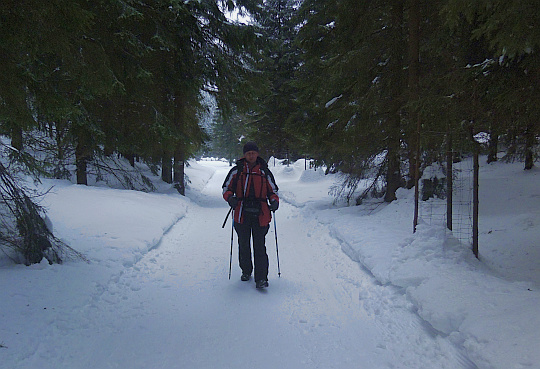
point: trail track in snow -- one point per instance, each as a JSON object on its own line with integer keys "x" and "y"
{"x": 324, "y": 312}
{"x": 175, "y": 307}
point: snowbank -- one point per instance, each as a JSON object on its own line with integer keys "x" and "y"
{"x": 487, "y": 308}
{"x": 480, "y": 306}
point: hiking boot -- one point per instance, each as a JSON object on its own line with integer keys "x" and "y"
{"x": 261, "y": 284}
{"x": 245, "y": 277}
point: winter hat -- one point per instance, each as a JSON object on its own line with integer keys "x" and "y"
{"x": 250, "y": 146}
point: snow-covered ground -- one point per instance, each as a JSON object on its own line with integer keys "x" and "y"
{"x": 357, "y": 289}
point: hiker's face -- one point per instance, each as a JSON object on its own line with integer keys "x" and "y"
{"x": 251, "y": 156}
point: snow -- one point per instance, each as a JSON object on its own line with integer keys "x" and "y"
{"x": 332, "y": 101}
{"x": 357, "y": 289}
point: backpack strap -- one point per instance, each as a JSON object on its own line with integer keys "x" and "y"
{"x": 239, "y": 169}
{"x": 265, "y": 172}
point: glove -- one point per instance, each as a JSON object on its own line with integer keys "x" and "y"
{"x": 233, "y": 201}
{"x": 274, "y": 205}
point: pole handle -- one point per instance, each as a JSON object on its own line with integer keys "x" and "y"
{"x": 227, "y": 217}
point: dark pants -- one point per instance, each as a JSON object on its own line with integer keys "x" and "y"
{"x": 245, "y": 231}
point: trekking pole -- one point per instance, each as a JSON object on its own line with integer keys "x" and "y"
{"x": 277, "y": 251}
{"x": 232, "y": 234}
{"x": 227, "y": 217}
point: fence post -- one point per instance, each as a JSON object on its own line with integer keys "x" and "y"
{"x": 449, "y": 180}
{"x": 476, "y": 201}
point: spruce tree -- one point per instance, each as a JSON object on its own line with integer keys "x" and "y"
{"x": 509, "y": 76}
{"x": 353, "y": 81}
{"x": 278, "y": 62}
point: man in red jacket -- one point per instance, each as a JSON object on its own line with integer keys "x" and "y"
{"x": 247, "y": 188}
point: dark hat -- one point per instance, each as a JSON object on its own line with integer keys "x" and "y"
{"x": 250, "y": 146}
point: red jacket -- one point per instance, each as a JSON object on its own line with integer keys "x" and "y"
{"x": 251, "y": 186}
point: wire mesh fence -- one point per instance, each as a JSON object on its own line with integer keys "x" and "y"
{"x": 449, "y": 202}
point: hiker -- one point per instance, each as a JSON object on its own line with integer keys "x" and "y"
{"x": 247, "y": 188}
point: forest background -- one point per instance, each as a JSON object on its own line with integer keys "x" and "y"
{"x": 365, "y": 88}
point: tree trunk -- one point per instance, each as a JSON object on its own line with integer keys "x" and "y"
{"x": 393, "y": 174}
{"x": 512, "y": 143}
{"x": 130, "y": 158}
{"x": 109, "y": 145}
{"x": 58, "y": 134}
{"x": 414, "y": 78}
{"x": 179, "y": 182}
{"x": 411, "y": 155}
{"x": 530, "y": 142}
{"x": 166, "y": 167}
{"x": 493, "y": 145}
{"x": 179, "y": 151}
{"x": 81, "y": 160}
{"x": 17, "y": 138}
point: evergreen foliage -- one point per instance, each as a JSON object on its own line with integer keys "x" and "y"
{"x": 278, "y": 62}
{"x": 366, "y": 88}
{"x": 24, "y": 234}
{"x": 228, "y": 135}
{"x": 476, "y": 72}
{"x": 505, "y": 84}
{"x": 83, "y": 82}
{"x": 353, "y": 83}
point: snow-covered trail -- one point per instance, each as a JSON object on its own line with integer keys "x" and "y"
{"x": 155, "y": 292}
{"x": 176, "y": 308}
{"x": 180, "y": 293}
